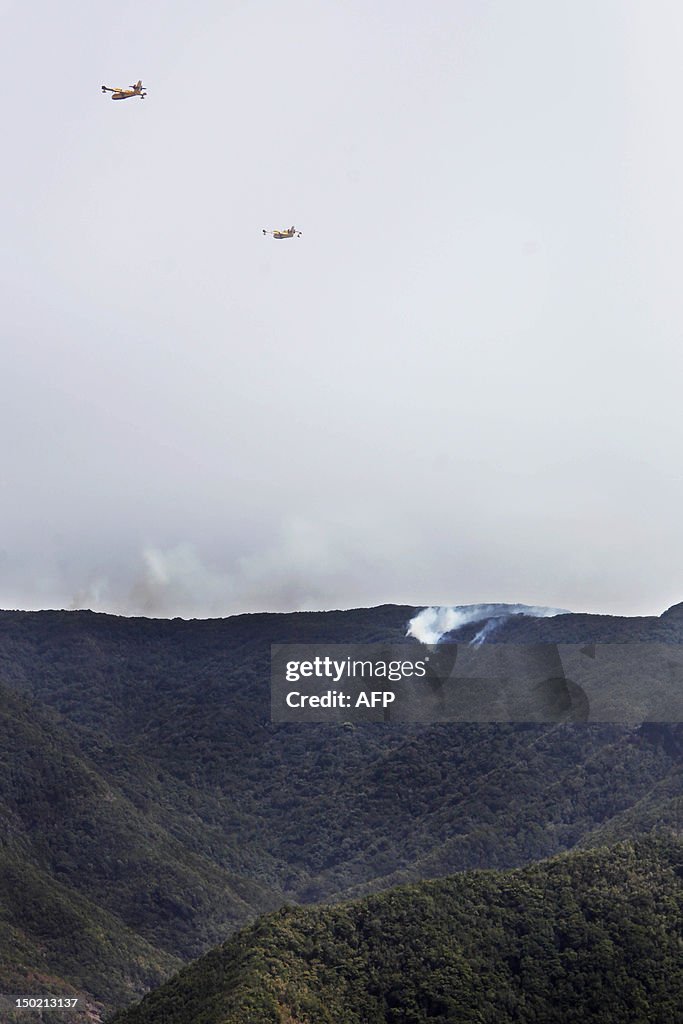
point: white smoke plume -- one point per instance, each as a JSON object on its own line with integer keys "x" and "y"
{"x": 487, "y": 630}
{"x": 298, "y": 569}
{"x": 429, "y": 625}
{"x": 176, "y": 581}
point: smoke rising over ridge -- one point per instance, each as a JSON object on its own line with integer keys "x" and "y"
{"x": 300, "y": 569}
{"x": 431, "y": 624}
{"x": 304, "y": 568}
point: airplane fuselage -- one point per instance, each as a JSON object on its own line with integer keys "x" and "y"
{"x": 124, "y": 94}
{"x": 283, "y": 233}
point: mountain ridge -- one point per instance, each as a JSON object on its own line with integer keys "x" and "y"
{"x": 142, "y": 773}
{"x": 593, "y": 935}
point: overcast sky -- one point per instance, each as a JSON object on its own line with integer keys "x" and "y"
{"x": 461, "y": 384}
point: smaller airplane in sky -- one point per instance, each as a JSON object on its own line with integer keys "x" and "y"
{"x": 125, "y": 94}
{"x": 286, "y": 233}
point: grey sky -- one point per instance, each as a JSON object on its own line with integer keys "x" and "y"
{"x": 461, "y": 384}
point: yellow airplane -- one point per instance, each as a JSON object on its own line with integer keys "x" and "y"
{"x": 286, "y": 233}
{"x": 125, "y": 94}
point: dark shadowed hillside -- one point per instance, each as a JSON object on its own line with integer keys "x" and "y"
{"x": 142, "y": 777}
{"x": 586, "y": 937}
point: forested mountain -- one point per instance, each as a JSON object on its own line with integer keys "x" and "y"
{"x": 591, "y": 936}
{"x": 144, "y": 789}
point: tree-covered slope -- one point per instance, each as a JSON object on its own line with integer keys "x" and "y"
{"x": 94, "y": 896}
{"x": 53, "y": 940}
{"x": 591, "y": 936}
{"x": 139, "y": 770}
{"x": 79, "y": 826}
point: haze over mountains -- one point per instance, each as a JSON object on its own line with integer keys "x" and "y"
{"x": 149, "y": 808}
